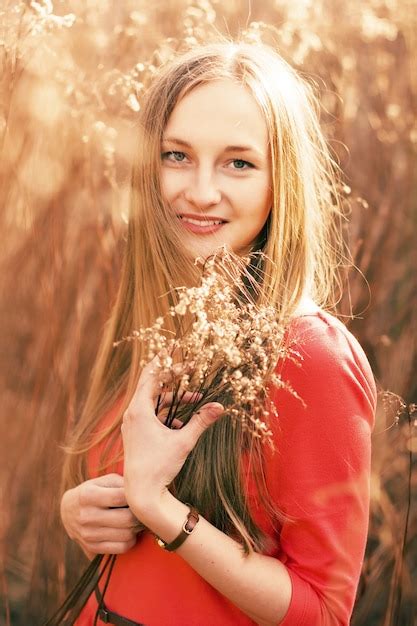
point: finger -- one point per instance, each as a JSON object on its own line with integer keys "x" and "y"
{"x": 109, "y": 547}
{"x": 100, "y": 534}
{"x": 119, "y": 518}
{"x": 201, "y": 420}
{"x": 152, "y": 378}
{"x": 185, "y": 397}
{"x": 148, "y": 387}
{"x": 91, "y": 494}
{"x": 108, "y": 480}
{"x": 162, "y": 416}
{"x": 166, "y": 400}
{"x": 110, "y": 518}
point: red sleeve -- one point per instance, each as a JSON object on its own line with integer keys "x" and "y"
{"x": 319, "y": 474}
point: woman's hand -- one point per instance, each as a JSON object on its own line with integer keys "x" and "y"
{"x": 96, "y": 515}
{"x": 153, "y": 453}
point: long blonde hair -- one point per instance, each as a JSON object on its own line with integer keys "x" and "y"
{"x": 301, "y": 240}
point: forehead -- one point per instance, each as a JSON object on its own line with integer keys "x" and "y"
{"x": 220, "y": 109}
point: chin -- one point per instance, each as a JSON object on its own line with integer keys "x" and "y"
{"x": 207, "y": 250}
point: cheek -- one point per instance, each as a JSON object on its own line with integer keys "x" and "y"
{"x": 257, "y": 203}
{"x": 268, "y": 199}
{"x": 170, "y": 184}
{"x": 165, "y": 189}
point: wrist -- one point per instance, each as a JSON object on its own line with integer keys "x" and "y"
{"x": 186, "y": 530}
{"x": 164, "y": 515}
{"x": 146, "y": 507}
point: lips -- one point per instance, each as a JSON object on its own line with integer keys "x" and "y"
{"x": 200, "y": 224}
{"x": 199, "y": 219}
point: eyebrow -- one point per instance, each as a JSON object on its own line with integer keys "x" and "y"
{"x": 182, "y": 142}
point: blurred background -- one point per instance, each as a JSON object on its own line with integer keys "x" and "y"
{"x": 71, "y": 81}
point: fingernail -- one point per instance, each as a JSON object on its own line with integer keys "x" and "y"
{"x": 215, "y": 408}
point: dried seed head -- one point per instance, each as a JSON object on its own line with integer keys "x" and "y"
{"x": 229, "y": 351}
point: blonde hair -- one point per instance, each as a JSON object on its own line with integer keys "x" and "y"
{"x": 301, "y": 240}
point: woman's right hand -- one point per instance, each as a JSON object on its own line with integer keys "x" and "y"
{"x": 95, "y": 514}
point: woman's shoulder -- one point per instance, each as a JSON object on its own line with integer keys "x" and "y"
{"x": 318, "y": 469}
{"x": 325, "y": 402}
{"x": 320, "y": 334}
{"x": 325, "y": 352}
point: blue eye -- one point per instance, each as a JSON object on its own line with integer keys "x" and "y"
{"x": 240, "y": 164}
{"x": 178, "y": 157}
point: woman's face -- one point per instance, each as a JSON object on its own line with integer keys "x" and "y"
{"x": 215, "y": 171}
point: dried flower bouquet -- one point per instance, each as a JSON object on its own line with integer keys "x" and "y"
{"x": 226, "y": 346}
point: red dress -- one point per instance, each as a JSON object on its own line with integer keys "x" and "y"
{"x": 318, "y": 477}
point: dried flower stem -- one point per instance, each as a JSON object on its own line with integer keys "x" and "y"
{"x": 226, "y": 346}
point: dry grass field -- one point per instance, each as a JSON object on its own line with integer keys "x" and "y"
{"x": 71, "y": 77}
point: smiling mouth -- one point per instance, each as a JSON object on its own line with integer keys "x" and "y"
{"x": 200, "y": 222}
{"x": 201, "y": 226}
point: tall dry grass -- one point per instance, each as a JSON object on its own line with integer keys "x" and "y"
{"x": 71, "y": 79}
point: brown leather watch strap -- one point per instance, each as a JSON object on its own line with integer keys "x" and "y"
{"x": 188, "y": 527}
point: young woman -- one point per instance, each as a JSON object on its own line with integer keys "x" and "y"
{"x": 230, "y": 153}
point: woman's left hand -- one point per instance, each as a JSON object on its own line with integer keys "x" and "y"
{"x": 154, "y": 453}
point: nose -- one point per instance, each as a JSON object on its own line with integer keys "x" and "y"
{"x": 202, "y": 190}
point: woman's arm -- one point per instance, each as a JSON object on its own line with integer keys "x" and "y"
{"x": 258, "y": 585}
{"x": 319, "y": 478}
{"x": 153, "y": 455}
